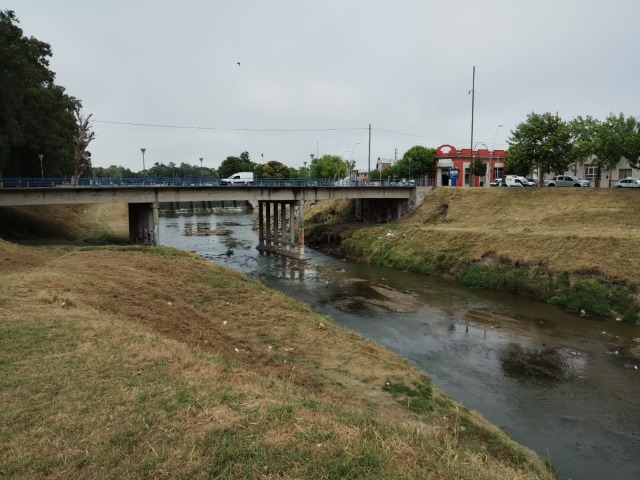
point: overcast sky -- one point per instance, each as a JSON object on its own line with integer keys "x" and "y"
{"x": 314, "y": 74}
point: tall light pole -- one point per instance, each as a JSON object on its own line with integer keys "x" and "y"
{"x": 495, "y": 135}
{"x": 351, "y": 159}
{"x": 201, "y": 170}
{"x": 489, "y": 179}
{"x": 473, "y": 94}
{"x": 41, "y": 156}
{"x": 480, "y": 143}
{"x": 144, "y": 170}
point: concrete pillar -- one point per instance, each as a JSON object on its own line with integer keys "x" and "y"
{"x": 292, "y": 230}
{"x": 260, "y": 224}
{"x": 276, "y": 224}
{"x": 268, "y": 222}
{"x": 283, "y": 226}
{"x": 155, "y": 239}
{"x": 301, "y": 228}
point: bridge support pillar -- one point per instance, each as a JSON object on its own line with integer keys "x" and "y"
{"x": 144, "y": 223}
{"x": 277, "y": 233}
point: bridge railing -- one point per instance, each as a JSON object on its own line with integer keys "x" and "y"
{"x": 65, "y": 182}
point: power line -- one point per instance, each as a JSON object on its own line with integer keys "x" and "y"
{"x": 263, "y": 130}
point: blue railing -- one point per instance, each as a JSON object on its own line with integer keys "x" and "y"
{"x": 199, "y": 182}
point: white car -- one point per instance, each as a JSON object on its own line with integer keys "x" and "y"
{"x": 628, "y": 183}
{"x": 567, "y": 181}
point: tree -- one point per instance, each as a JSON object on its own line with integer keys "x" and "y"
{"x": 603, "y": 144}
{"x": 543, "y": 143}
{"x": 232, "y": 165}
{"x": 479, "y": 167}
{"x": 418, "y": 161}
{"x": 36, "y": 116}
{"x": 329, "y": 166}
{"x": 82, "y": 139}
{"x": 272, "y": 169}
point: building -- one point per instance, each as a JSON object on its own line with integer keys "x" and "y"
{"x": 449, "y": 157}
{"x": 608, "y": 178}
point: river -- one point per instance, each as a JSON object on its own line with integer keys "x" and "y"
{"x": 553, "y": 381}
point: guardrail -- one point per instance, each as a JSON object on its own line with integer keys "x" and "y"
{"x": 66, "y": 182}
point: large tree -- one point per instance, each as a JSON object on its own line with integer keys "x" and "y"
{"x": 603, "y": 144}
{"x": 417, "y": 162}
{"x": 272, "y": 169}
{"x": 329, "y": 166}
{"x": 232, "y": 165}
{"x": 36, "y": 116}
{"x": 541, "y": 143}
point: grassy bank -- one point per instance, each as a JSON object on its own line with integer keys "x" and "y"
{"x": 154, "y": 363}
{"x": 572, "y": 247}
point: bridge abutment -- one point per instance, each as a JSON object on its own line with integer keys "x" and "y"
{"x": 144, "y": 223}
{"x": 277, "y": 233}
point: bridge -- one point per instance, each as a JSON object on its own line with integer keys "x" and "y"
{"x": 276, "y": 204}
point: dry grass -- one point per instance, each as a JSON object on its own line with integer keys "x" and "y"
{"x": 575, "y": 230}
{"x": 153, "y": 363}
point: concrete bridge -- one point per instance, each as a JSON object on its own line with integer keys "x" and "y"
{"x": 276, "y": 204}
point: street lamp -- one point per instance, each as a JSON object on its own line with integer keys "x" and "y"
{"x": 306, "y": 174}
{"x": 474, "y": 149}
{"x": 492, "y": 148}
{"x": 144, "y": 170}
{"x": 41, "y": 156}
{"x": 201, "y": 170}
{"x": 351, "y": 159}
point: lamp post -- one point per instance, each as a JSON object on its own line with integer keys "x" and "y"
{"x": 201, "y": 170}
{"x": 474, "y": 148}
{"x": 306, "y": 174}
{"x": 351, "y": 158}
{"x": 473, "y": 96}
{"x": 144, "y": 170}
{"x": 492, "y": 148}
{"x": 41, "y": 156}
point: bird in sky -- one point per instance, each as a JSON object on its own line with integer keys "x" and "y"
{"x": 238, "y": 63}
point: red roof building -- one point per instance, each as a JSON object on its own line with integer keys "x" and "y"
{"x": 449, "y": 158}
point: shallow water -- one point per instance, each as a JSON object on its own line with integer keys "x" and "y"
{"x": 574, "y": 400}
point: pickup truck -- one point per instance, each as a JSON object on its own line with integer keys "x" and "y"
{"x": 567, "y": 181}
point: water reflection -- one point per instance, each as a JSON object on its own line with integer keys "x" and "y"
{"x": 560, "y": 384}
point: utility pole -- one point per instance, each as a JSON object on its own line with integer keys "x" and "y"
{"x": 473, "y": 94}
{"x": 369, "y": 155}
{"x": 395, "y": 156}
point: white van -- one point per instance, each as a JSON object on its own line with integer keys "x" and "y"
{"x": 511, "y": 181}
{"x": 240, "y": 178}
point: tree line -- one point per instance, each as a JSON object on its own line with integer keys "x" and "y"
{"x": 545, "y": 143}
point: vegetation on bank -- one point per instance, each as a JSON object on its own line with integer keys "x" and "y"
{"x": 147, "y": 362}
{"x": 571, "y": 247}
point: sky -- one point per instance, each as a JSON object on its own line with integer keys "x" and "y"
{"x": 287, "y": 79}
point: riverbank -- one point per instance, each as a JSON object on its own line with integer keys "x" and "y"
{"x": 152, "y": 362}
{"x": 572, "y": 247}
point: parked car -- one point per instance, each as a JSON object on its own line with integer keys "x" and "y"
{"x": 628, "y": 183}
{"x": 567, "y": 181}
{"x": 496, "y": 183}
{"x": 525, "y": 182}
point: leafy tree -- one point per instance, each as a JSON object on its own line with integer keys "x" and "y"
{"x": 479, "y": 167}
{"x": 272, "y": 169}
{"x": 329, "y": 166}
{"x": 603, "y": 144}
{"x": 36, "y": 116}
{"x": 418, "y": 161}
{"x": 232, "y": 165}
{"x": 542, "y": 142}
